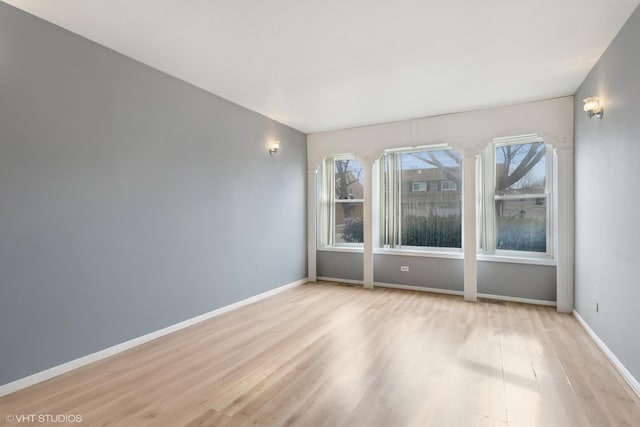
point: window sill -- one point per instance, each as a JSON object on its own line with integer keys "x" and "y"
{"x": 517, "y": 259}
{"x": 423, "y": 254}
{"x": 444, "y": 254}
{"x": 341, "y": 249}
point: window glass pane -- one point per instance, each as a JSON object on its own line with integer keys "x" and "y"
{"x": 349, "y": 178}
{"x": 419, "y": 186}
{"x": 520, "y": 168}
{"x": 443, "y": 231}
{"x": 431, "y": 199}
{"x": 348, "y": 217}
{"x": 522, "y": 224}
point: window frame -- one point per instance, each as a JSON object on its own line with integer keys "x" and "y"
{"x": 426, "y": 186}
{"x": 327, "y": 204}
{"x": 487, "y": 227}
{"x": 448, "y": 181}
{"x": 390, "y": 230}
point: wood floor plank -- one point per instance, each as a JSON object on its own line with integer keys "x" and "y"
{"x": 333, "y": 355}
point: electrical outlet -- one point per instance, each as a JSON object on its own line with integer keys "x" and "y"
{"x": 404, "y": 268}
{"x": 595, "y": 306}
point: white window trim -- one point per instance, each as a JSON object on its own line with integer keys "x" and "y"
{"x": 426, "y": 251}
{"x": 486, "y": 206}
{"x": 341, "y": 248}
{"x": 417, "y": 251}
{"x": 326, "y": 208}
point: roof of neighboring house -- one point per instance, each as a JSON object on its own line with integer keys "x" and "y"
{"x": 428, "y": 174}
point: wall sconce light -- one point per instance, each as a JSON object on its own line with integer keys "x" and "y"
{"x": 593, "y": 107}
{"x": 274, "y": 147}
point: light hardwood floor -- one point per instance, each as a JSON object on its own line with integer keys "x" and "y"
{"x": 333, "y": 355}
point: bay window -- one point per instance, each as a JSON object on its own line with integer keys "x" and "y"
{"x": 417, "y": 200}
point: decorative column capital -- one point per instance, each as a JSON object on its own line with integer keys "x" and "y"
{"x": 471, "y": 148}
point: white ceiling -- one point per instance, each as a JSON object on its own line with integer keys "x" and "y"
{"x": 332, "y": 64}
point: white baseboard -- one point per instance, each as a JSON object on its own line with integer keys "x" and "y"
{"x": 518, "y": 299}
{"x": 391, "y": 285}
{"x": 461, "y": 293}
{"x": 442, "y": 291}
{"x": 418, "y": 288}
{"x": 630, "y": 379}
{"x": 348, "y": 281}
{"x": 118, "y": 348}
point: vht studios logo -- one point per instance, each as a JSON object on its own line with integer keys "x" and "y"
{"x": 43, "y": 418}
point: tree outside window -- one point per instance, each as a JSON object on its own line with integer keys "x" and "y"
{"x": 520, "y": 197}
{"x": 348, "y": 201}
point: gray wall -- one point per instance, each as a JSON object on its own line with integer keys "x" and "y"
{"x": 517, "y": 280}
{"x": 339, "y": 265}
{"x": 438, "y": 273}
{"x": 129, "y": 200}
{"x": 494, "y": 278}
{"x": 607, "y": 154}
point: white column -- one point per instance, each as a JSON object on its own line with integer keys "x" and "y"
{"x": 564, "y": 220}
{"x": 312, "y": 227}
{"x": 469, "y": 228}
{"x": 367, "y": 223}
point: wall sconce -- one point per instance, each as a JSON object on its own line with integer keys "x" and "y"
{"x": 593, "y": 107}
{"x": 274, "y": 147}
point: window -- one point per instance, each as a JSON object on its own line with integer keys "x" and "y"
{"x": 341, "y": 202}
{"x": 419, "y": 186}
{"x": 517, "y": 197}
{"x": 448, "y": 186}
{"x": 413, "y": 213}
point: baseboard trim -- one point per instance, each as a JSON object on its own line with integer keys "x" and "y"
{"x": 518, "y": 299}
{"x": 347, "y": 281}
{"x": 630, "y": 379}
{"x": 419, "y": 289}
{"x": 118, "y": 348}
{"x": 442, "y": 291}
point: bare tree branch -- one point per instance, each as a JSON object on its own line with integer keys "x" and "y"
{"x": 530, "y": 159}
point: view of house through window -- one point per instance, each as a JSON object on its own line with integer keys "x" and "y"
{"x": 348, "y": 200}
{"x": 422, "y": 199}
{"x": 521, "y": 197}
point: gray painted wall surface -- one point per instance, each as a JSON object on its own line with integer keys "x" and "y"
{"x": 495, "y": 278}
{"x": 339, "y": 265}
{"x": 438, "y": 273}
{"x": 129, "y": 200}
{"x": 608, "y": 200}
{"x": 517, "y": 280}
